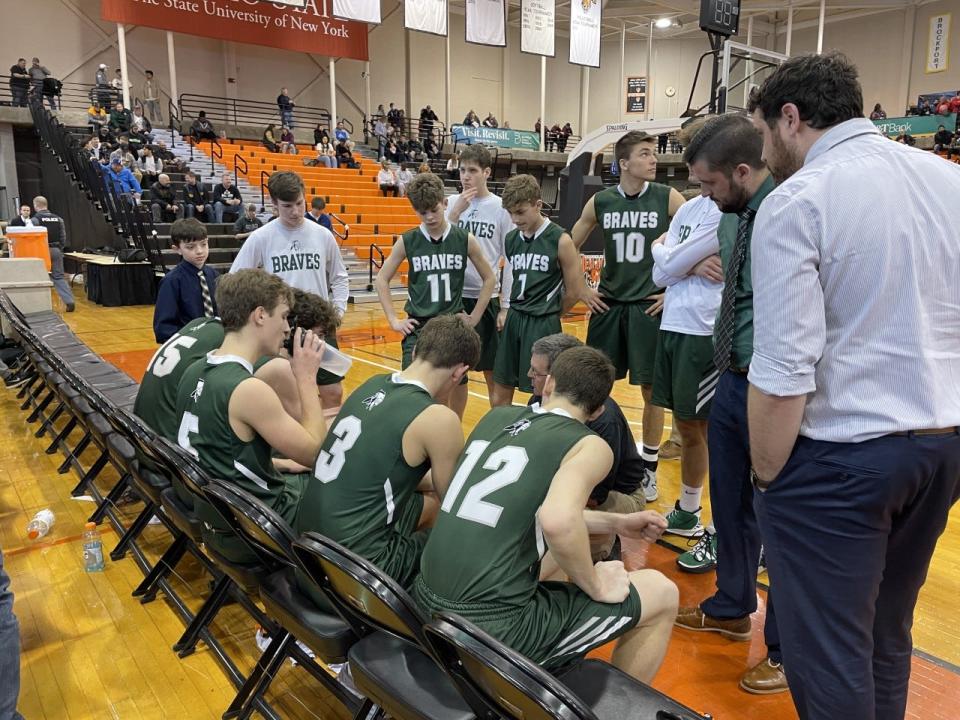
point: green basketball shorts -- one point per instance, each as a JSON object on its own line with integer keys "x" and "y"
{"x": 487, "y": 330}
{"x": 685, "y": 378}
{"x": 629, "y": 338}
{"x": 519, "y": 334}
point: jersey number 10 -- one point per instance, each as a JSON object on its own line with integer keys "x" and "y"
{"x": 629, "y": 246}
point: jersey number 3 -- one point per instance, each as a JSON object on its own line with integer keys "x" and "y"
{"x": 507, "y": 465}
{"x": 330, "y": 462}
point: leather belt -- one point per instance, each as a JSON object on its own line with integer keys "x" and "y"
{"x": 739, "y": 370}
{"x": 928, "y": 431}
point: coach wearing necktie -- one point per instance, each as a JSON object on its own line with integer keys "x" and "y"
{"x": 725, "y": 156}
{"x": 855, "y": 385}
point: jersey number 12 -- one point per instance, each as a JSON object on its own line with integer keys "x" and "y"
{"x": 507, "y": 465}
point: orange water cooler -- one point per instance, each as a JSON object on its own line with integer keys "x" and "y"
{"x": 29, "y": 242}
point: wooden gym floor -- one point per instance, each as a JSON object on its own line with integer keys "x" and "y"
{"x": 90, "y": 650}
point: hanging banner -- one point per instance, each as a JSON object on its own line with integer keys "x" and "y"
{"x": 537, "y": 19}
{"x": 486, "y": 22}
{"x": 308, "y": 29}
{"x": 636, "y": 94}
{"x": 367, "y": 11}
{"x": 429, "y": 16}
{"x": 585, "y": 32}
{"x": 938, "y": 46}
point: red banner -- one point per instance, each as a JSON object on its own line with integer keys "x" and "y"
{"x": 308, "y": 29}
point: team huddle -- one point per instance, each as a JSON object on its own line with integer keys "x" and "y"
{"x": 393, "y": 478}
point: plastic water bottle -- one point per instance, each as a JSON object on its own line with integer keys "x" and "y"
{"x": 40, "y": 525}
{"x": 92, "y": 548}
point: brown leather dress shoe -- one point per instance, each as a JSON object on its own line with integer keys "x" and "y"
{"x": 670, "y": 450}
{"x": 765, "y": 678}
{"x": 693, "y": 618}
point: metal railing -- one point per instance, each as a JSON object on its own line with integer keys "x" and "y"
{"x": 374, "y": 248}
{"x": 341, "y": 236}
{"x": 237, "y": 160}
{"x": 174, "y": 116}
{"x": 264, "y": 177}
{"x": 69, "y": 95}
{"x": 231, "y": 111}
{"x": 216, "y": 151}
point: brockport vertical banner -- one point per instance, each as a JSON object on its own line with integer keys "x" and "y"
{"x": 585, "y": 16}
{"x": 309, "y": 28}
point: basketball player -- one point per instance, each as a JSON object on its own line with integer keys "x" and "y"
{"x": 437, "y": 255}
{"x": 389, "y": 433}
{"x": 481, "y": 213}
{"x": 231, "y": 421}
{"x": 687, "y": 264}
{"x": 521, "y": 486}
{"x": 547, "y": 282}
{"x": 304, "y": 255}
{"x": 625, "y": 309}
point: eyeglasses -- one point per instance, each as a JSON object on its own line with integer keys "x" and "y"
{"x": 531, "y": 373}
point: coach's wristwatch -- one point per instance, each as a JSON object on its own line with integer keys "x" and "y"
{"x": 760, "y": 485}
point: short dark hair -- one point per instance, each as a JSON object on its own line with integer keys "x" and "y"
{"x": 824, "y": 88}
{"x": 312, "y": 311}
{"x": 187, "y": 230}
{"x": 447, "y": 341}
{"x": 626, "y": 144}
{"x": 550, "y": 346}
{"x": 240, "y": 293}
{"x": 318, "y": 203}
{"x": 478, "y": 155}
{"x": 425, "y": 192}
{"x": 724, "y": 142}
{"x": 285, "y": 186}
{"x": 584, "y": 376}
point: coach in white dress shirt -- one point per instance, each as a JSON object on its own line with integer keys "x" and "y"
{"x": 855, "y": 385}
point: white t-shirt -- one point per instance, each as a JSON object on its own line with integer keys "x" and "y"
{"x": 307, "y": 258}
{"x": 691, "y": 303}
{"x": 489, "y": 223}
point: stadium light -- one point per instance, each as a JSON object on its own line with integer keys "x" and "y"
{"x": 663, "y": 23}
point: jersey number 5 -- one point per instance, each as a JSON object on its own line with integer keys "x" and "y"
{"x": 507, "y": 465}
{"x": 629, "y": 246}
{"x": 330, "y": 462}
{"x": 168, "y": 356}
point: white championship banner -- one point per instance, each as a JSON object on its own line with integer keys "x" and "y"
{"x": 585, "y": 32}
{"x": 938, "y": 55}
{"x": 537, "y": 22}
{"x": 429, "y": 16}
{"x": 362, "y": 10}
{"x": 486, "y": 22}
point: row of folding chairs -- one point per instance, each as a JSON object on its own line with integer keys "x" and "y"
{"x": 404, "y": 664}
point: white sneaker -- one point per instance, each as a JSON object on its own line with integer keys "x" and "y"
{"x": 649, "y": 485}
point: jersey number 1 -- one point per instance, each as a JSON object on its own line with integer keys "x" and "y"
{"x": 507, "y": 464}
{"x": 629, "y": 246}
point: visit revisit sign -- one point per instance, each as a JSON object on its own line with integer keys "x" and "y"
{"x": 311, "y": 28}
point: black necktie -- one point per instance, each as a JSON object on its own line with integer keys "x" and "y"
{"x": 726, "y": 318}
{"x": 205, "y": 292}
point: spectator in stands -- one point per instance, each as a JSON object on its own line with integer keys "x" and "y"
{"x": 387, "y": 179}
{"x": 564, "y": 137}
{"x": 227, "y": 200}
{"x": 140, "y": 123}
{"x": 345, "y": 155}
{"x": 202, "y": 129}
{"x": 955, "y": 103}
{"x": 317, "y": 214}
{"x": 395, "y": 117}
{"x": 392, "y": 151}
{"x": 151, "y": 96}
{"x": 326, "y": 154}
{"x": 942, "y": 139}
{"x": 380, "y": 132}
{"x": 340, "y": 134}
{"x": 19, "y": 83}
{"x": 506, "y": 125}
{"x": 662, "y": 140}
{"x": 57, "y": 242}
{"x": 93, "y": 148}
{"x": 453, "y": 166}
{"x": 38, "y": 73}
{"x": 195, "y": 199}
{"x": 117, "y": 84}
{"x": 286, "y": 105}
{"x": 427, "y": 119}
{"x": 318, "y": 132}
{"x": 189, "y": 290}
{"x": 536, "y": 126}
{"x": 431, "y": 148}
{"x": 163, "y": 201}
{"x": 120, "y": 119}
{"x": 923, "y": 107}
{"x": 247, "y": 223}
{"x": 101, "y": 88}
{"x": 472, "y": 119}
{"x": 404, "y": 176}
{"x": 424, "y": 168}
{"x": 269, "y": 139}
{"x": 126, "y": 157}
{"x": 288, "y": 143}
{"x": 106, "y": 139}
{"x": 878, "y": 113}
{"x": 22, "y": 219}
{"x": 943, "y": 105}
{"x": 149, "y": 169}
{"x": 490, "y": 121}
{"x": 96, "y": 116}
{"x": 553, "y": 135}
{"x": 415, "y": 151}
{"x": 166, "y": 160}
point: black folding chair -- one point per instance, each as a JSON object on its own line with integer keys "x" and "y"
{"x": 511, "y": 686}
{"x": 271, "y": 538}
{"x": 391, "y": 664}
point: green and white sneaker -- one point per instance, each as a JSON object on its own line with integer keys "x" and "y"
{"x": 649, "y": 485}
{"x": 702, "y": 557}
{"x": 681, "y": 522}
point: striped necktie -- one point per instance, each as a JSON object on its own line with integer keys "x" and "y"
{"x": 205, "y": 292}
{"x": 726, "y": 318}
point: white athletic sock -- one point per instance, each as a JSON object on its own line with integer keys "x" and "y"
{"x": 690, "y": 498}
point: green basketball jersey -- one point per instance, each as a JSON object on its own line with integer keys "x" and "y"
{"x": 435, "y": 272}
{"x": 629, "y": 227}
{"x": 156, "y": 402}
{"x": 483, "y": 555}
{"x": 203, "y": 399}
{"x": 537, "y": 277}
{"x": 361, "y": 479}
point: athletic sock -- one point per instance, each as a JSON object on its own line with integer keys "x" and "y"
{"x": 690, "y": 498}
{"x": 650, "y": 456}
